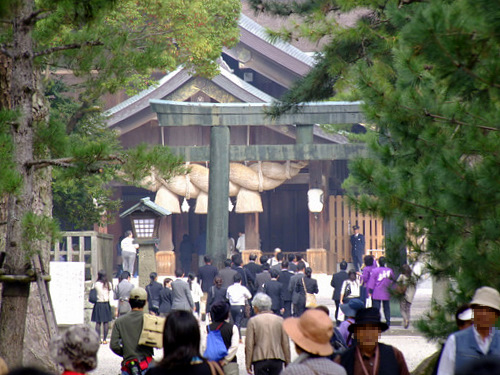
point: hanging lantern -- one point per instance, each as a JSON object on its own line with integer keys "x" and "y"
{"x": 230, "y": 205}
{"x": 185, "y": 205}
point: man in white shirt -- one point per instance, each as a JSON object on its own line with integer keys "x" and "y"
{"x": 237, "y": 296}
{"x": 480, "y": 340}
{"x": 129, "y": 252}
{"x": 240, "y": 244}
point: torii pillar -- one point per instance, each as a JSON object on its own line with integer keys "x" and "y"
{"x": 219, "y": 116}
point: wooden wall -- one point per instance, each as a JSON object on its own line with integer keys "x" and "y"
{"x": 342, "y": 218}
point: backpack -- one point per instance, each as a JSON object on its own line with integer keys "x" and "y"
{"x": 152, "y": 331}
{"x": 216, "y": 349}
{"x": 93, "y": 295}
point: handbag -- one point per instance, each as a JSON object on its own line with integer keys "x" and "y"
{"x": 347, "y": 293}
{"x": 216, "y": 348}
{"x": 93, "y": 295}
{"x": 310, "y": 297}
{"x": 247, "y": 311}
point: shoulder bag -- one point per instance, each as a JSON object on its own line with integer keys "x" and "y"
{"x": 310, "y": 297}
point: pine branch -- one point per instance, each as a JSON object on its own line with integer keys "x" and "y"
{"x": 441, "y": 213}
{"x": 36, "y": 16}
{"x": 67, "y": 47}
{"x": 70, "y": 162}
{"x": 453, "y": 121}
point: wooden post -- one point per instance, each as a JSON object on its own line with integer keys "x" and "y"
{"x": 252, "y": 236}
{"x": 218, "y": 194}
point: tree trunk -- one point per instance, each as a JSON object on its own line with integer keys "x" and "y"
{"x": 20, "y": 77}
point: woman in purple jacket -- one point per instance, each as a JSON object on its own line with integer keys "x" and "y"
{"x": 367, "y": 272}
{"x": 379, "y": 284}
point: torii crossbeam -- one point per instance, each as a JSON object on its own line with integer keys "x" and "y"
{"x": 219, "y": 116}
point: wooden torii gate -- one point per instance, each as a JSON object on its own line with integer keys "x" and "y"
{"x": 219, "y": 116}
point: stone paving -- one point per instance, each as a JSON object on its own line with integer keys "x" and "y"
{"x": 414, "y": 347}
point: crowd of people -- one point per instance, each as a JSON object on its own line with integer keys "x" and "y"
{"x": 270, "y": 297}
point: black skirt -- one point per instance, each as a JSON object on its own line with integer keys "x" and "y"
{"x": 101, "y": 313}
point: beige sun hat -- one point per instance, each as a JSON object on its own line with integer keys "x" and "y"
{"x": 486, "y": 296}
{"x": 312, "y": 332}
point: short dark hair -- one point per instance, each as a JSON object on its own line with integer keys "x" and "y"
{"x": 179, "y": 272}
{"x": 237, "y": 260}
{"x": 263, "y": 259}
{"x": 368, "y": 259}
{"x": 124, "y": 275}
{"x": 153, "y": 276}
{"x": 301, "y": 265}
{"x": 265, "y": 266}
{"x": 299, "y": 257}
{"x": 284, "y": 264}
{"x": 237, "y": 278}
{"x": 280, "y": 256}
{"x": 207, "y": 259}
{"x": 227, "y": 263}
{"x": 128, "y": 233}
{"x": 252, "y": 256}
{"x": 343, "y": 265}
{"x": 291, "y": 257}
{"x": 274, "y": 273}
{"x": 137, "y": 303}
{"x": 308, "y": 271}
{"x": 381, "y": 261}
{"x": 166, "y": 281}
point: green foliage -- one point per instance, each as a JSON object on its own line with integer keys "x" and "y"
{"x": 428, "y": 73}
{"x": 10, "y": 180}
{"x": 38, "y": 228}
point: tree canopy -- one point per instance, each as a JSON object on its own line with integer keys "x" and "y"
{"x": 108, "y": 45}
{"x": 428, "y": 73}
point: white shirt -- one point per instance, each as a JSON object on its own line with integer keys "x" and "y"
{"x": 128, "y": 246}
{"x": 103, "y": 294}
{"x": 237, "y": 294}
{"x": 355, "y": 290}
{"x": 240, "y": 245}
{"x": 447, "y": 362}
{"x": 196, "y": 291}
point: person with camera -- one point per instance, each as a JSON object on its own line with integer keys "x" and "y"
{"x": 126, "y": 333}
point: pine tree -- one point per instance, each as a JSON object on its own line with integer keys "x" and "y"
{"x": 109, "y": 45}
{"x": 428, "y": 73}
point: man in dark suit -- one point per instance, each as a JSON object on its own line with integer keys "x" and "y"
{"x": 357, "y": 248}
{"x": 279, "y": 258}
{"x": 246, "y": 277}
{"x": 274, "y": 289}
{"x": 262, "y": 277}
{"x": 337, "y": 281}
{"x": 206, "y": 276}
{"x": 253, "y": 269}
{"x": 227, "y": 274}
{"x": 284, "y": 278}
{"x": 291, "y": 263}
{"x": 296, "y": 287}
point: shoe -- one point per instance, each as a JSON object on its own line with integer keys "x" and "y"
{"x": 407, "y": 324}
{"x": 104, "y": 342}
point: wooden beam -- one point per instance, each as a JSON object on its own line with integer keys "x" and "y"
{"x": 172, "y": 113}
{"x": 276, "y": 152}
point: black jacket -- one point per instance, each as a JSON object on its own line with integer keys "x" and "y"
{"x": 337, "y": 281}
{"x": 206, "y": 275}
{"x": 284, "y": 279}
{"x": 165, "y": 300}
{"x": 274, "y": 289}
{"x": 154, "y": 289}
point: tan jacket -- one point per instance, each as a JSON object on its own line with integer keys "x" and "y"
{"x": 266, "y": 339}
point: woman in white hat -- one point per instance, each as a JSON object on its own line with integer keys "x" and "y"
{"x": 311, "y": 335}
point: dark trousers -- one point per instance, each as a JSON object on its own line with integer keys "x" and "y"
{"x": 237, "y": 315}
{"x": 387, "y": 309}
{"x": 298, "y": 309}
{"x": 268, "y": 367}
{"x": 287, "y": 305}
{"x": 337, "y": 305}
{"x": 357, "y": 260}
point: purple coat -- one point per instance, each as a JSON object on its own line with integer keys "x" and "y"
{"x": 367, "y": 271}
{"x": 380, "y": 282}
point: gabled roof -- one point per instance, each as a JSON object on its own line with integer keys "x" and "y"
{"x": 146, "y": 204}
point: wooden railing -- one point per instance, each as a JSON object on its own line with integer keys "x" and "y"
{"x": 93, "y": 248}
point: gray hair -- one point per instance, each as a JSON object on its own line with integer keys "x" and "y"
{"x": 262, "y": 302}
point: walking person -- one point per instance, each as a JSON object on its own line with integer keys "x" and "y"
{"x": 368, "y": 356}
{"x": 181, "y": 294}
{"x": 101, "y": 313}
{"x": 181, "y": 348}
{"x": 296, "y": 287}
{"x": 220, "y": 314}
{"x": 336, "y": 283}
{"x": 366, "y": 275}
{"x": 196, "y": 293}
{"x": 480, "y": 340}
{"x": 122, "y": 293}
{"x": 216, "y": 293}
{"x": 274, "y": 289}
{"x": 350, "y": 288}
{"x": 267, "y": 348}
{"x": 311, "y": 334}
{"x": 227, "y": 274}
{"x": 284, "y": 278}
{"x": 154, "y": 289}
{"x": 206, "y": 276}
{"x": 166, "y": 297}
{"x": 380, "y": 282}
{"x": 126, "y": 333}
{"x": 238, "y": 296}
{"x": 407, "y": 288}
{"x": 129, "y": 252}
{"x": 310, "y": 283}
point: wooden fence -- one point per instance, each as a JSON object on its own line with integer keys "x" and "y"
{"x": 342, "y": 218}
{"x": 93, "y": 248}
